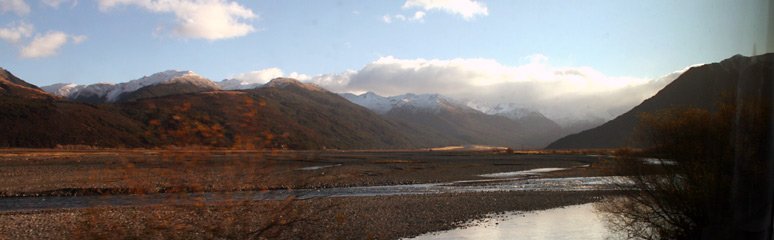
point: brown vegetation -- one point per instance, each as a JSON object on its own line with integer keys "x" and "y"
{"x": 692, "y": 196}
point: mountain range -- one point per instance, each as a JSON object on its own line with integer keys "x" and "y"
{"x": 424, "y": 120}
{"x": 181, "y": 108}
{"x": 161, "y": 84}
{"x": 444, "y": 121}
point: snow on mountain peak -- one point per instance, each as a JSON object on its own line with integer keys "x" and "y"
{"x": 421, "y": 101}
{"x": 97, "y": 90}
{"x": 169, "y": 76}
{"x": 409, "y": 101}
{"x": 371, "y": 101}
{"x": 510, "y": 110}
{"x": 62, "y": 89}
{"x": 111, "y": 92}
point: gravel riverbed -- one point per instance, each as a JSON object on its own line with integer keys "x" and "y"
{"x": 391, "y": 217}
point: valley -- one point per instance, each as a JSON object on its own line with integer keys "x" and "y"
{"x": 175, "y": 155}
{"x": 408, "y": 119}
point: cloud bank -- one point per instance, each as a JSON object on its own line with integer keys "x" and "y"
{"x": 564, "y": 94}
{"x": 204, "y": 19}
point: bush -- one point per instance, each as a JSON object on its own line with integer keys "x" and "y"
{"x": 694, "y": 198}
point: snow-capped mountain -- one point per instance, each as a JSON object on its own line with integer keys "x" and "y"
{"x": 94, "y": 93}
{"x": 510, "y": 110}
{"x": 371, "y": 101}
{"x": 435, "y": 102}
{"x": 184, "y": 81}
{"x": 62, "y": 89}
{"x": 449, "y": 121}
{"x": 166, "y": 77}
{"x": 409, "y": 101}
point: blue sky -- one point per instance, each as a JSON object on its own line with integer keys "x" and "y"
{"x": 119, "y": 40}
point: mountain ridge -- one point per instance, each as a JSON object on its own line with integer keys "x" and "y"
{"x": 282, "y": 114}
{"x": 169, "y": 82}
{"x": 701, "y": 87}
{"x": 449, "y": 122}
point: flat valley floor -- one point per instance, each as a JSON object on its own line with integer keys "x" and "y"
{"x": 186, "y": 179}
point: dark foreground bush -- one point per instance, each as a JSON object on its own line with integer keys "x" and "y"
{"x": 713, "y": 184}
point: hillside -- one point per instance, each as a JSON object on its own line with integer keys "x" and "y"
{"x": 283, "y": 114}
{"x": 11, "y": 85}
{"x": 700, "y": 87}
{"x": 31, "y": 118}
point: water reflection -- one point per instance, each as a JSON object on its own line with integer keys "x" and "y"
{"x": 571, "y": 222}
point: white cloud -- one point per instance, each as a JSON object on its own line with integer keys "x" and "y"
{"x": 558, "y": 92}
{"x": 206, "y": 19}
{"x": 254, "y": 79}
{"x": 56, "y": 3}
{"x": 19, "y": 7}
{"x": 299, "y": 76}
{"x": 78, "y": 39}
{"x": 485, "y": 72}
{"x": 468, "y": 9}
{"x": 45, "y": 45}
{"x": 418, "y": 16}
{"x": 265, "y": 75}
{"x": 335, "y": 82}
{"x": 48, "y": 44}
{"x": 261, "y": 76}
{"x": 14, "y": 33}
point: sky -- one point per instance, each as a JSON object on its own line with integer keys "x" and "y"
{"x": 389, "y": 47}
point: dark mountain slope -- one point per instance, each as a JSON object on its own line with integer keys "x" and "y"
{"x": 284, "y": 113}
{"x": 11, "y": 85}
{"x": 700, "y": 87}
{"x": 31, "y": 118}
{"x": 457, "y": 127}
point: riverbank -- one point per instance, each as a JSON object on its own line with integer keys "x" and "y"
{"x": 384, "y": 217}
{"x": 69, "y": 173}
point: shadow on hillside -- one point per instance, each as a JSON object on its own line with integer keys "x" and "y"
{"x": 717, "y": 180}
